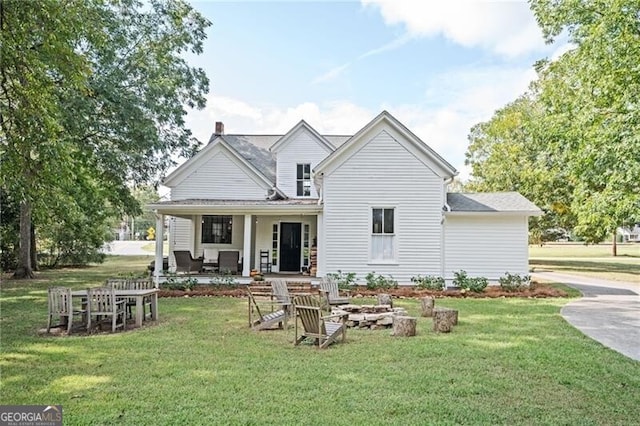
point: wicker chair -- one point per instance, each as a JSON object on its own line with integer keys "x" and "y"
{"x": 186, "y": 263}
{"x": 228, "y": 262}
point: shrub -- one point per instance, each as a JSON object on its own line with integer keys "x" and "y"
{"x": 375, "y": 282}
{"x": 175, "y": 282}
{"x": 225, "y": 280}
{"x": 345, "y": 280}
{"x": 514, "y": 282}
{"x": 477, "y": 284}
{"x": 428, "y": 282}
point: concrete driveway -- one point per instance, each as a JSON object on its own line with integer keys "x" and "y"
{"x": 608, "y": 312}
{"x": 128, "y": 248}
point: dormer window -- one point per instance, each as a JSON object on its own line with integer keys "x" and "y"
{"x": 303, "y": 180}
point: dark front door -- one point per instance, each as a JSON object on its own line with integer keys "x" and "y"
{"x": 290, "y": 237}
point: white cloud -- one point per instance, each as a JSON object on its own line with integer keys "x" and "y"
{"x": 454, "y": 102}
{"x": 331, "y": 74}
{"x": 336, "y": 71}
{"x": 338, "y": 117}
{"x": 504, "y": 27}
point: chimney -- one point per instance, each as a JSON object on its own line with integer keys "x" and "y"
{"x": 219, "y": 128}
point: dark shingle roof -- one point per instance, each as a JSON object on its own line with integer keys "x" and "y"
{"x": 260, "y": 158}
{"x": 255, "y": 149}
{"x": 490, "y": 202}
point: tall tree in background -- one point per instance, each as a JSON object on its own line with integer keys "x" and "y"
{"x": 583, "y": 138}
{"x": 594, "y": 90}
{"x": 510, "y": 153}
{"x": 92, "y": 96}
{"x": 593, "y": 93}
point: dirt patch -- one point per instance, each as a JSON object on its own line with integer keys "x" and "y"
{"x": 537, "y": 290}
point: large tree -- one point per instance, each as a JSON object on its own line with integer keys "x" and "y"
{"x": 592, "y": 93}
{"x": 93, "y": 96}
{"x": 510, "y": 153}
{"x": 572, "y": 144}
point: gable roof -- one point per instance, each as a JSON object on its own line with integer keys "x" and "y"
{"x": 284, "y": 140}
{"x": 239, "y": 149}
{"x": 485, "y": 202}
{"x": 339, "y": 154}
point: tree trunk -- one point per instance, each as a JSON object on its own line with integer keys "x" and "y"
{"x": 385, "y": 299}
{"x": 614, "y": 246}
{"x": 427, "y": 306}
{"x": 444, "y": 319}
{"x": 24, "y": 262}
{"x": 404, "y": 326}
{"x": 34, "y": 249}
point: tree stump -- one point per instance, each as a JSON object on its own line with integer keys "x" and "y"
{"x": 404, "y": 326}
{"x": 428, "y": 304}
{"x": 444, "y": 319}
{"x": 385, "y": 299}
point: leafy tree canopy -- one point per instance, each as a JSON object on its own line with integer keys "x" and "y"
{"x": 572, "y": 144}
{"x": 93, "y": 96}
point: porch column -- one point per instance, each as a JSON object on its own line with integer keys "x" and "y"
{"x": 246, "y": 249}
{"x": 159, "y": 245}
{"x": 320, "y": 245}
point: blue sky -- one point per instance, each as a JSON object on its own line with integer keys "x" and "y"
{"x": 438, "y": 66}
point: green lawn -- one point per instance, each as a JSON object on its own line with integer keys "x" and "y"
{"x": 594, "y": 260}
{"x": 573, "y": 250}
{"x": 509, "y": 361}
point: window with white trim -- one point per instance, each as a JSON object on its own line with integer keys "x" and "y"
{"x": 303, "y": 180}
{"x": 382, "y": 234}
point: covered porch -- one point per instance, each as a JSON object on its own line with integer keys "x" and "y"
{"x": 281, "y": 233}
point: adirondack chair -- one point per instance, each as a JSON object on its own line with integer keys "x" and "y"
{"x": 329, "y": 288}
{"x": 280, "y": 292}
{"x": 61, "y": 306}
{"x": 315, "y": 325}
{"x": 262, "y": 314}
{"x": 102, "y": 302}
{"x": 134, "y": 284}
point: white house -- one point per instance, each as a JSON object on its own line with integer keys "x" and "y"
{"x": 375, "y": 201}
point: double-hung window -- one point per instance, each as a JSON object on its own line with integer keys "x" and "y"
{"x": 303, "y": 180}
{"x": 383, "y": 238}
{"x": 217, "y": 229}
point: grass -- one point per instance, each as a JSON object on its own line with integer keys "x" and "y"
{"x": 509, "y": 361}
{"x": 593, "y": 261}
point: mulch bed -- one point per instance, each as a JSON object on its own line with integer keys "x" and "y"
{"x": 537, "y": 290}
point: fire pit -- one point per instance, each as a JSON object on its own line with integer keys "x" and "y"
{"x": 369, "y": 316}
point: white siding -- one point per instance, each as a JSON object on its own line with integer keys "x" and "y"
{"x": 383, "y": 174}
{"x": 486, "y": 246}
{"x": 220, "y": 177}
{"x": 303, "y": 148}
{"x": 180, "y": 237}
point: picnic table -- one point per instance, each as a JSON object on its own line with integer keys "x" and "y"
{"x": 138, "y": 295}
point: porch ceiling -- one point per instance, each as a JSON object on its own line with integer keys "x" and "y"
{"x": 199, "y": 206}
